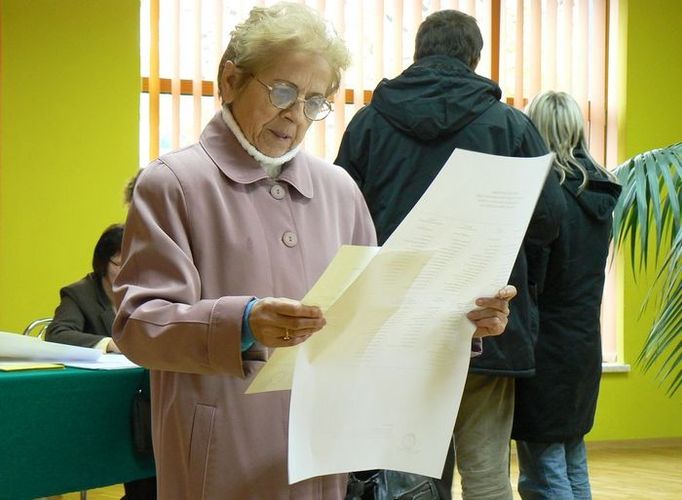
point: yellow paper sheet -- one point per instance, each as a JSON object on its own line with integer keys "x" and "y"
{"x": 343, "y": 270}
{"x": 9, "y": 366}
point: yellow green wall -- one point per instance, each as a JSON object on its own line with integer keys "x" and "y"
{"x": 68, "y": 142}
{"x": 633, "y": 405}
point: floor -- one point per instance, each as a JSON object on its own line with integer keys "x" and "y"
{"x": 633, "y": 472}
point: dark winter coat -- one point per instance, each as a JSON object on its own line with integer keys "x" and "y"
{"x": 395, "y": 147}
{"x": 559, "y": 403}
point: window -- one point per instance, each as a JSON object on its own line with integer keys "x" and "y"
{"x": 529, "y": 46}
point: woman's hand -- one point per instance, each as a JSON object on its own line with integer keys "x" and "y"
{"x": 492, "y": 317}
{"x": 280, "y": 322}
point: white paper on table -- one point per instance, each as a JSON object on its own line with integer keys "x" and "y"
{"x": 15, "y": 346}
{"x": 384, "y": 392}
{"x": 348, "y": 263}
{"x": 108, "y": 361}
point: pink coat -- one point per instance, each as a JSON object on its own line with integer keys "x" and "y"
{"x": 206, "y": 232}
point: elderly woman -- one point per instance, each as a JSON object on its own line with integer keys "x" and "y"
{"x": 242, "y": 214}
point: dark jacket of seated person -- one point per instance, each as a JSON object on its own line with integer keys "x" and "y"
{"x": 84, "y": 316}
{"x": 85, "y": 313}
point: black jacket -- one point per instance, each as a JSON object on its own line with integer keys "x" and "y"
{"x": 395, "y": 147}
{"x": 559, "y": 403}
{"x": 84, "y": 315}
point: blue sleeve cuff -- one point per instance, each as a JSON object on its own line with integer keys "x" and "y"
{"x": 247, "y": 335}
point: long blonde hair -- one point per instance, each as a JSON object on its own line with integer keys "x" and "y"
{"x": 558, "y": 118}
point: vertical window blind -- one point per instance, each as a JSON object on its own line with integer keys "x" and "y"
{"x": 529, "y": 46}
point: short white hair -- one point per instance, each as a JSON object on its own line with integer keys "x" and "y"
{"x": 284, "y": 27}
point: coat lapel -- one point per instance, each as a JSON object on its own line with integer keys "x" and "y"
{"x": 230, "y": 157}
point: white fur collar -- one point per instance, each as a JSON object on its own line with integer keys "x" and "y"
{"x": 273, "y": 166}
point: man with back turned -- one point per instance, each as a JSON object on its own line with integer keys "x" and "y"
{"x": 394, "y": 148}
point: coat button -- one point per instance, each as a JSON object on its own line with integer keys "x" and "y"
{"x": 290, "y": 239}
{"x": 277, "y": 192}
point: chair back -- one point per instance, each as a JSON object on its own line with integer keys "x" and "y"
{"x": 37, "y": 328}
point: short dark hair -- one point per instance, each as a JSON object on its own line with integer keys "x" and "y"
{"x": 108, "y": 245}
{"x": 449, "y": 33}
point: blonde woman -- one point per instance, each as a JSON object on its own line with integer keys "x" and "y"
{"x": 555, "y": 409}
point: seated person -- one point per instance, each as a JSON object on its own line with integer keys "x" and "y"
{"x": 85, "y": 315}
{"x": 86, "y": 312}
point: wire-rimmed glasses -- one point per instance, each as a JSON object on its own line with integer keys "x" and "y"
{"x": 284, "y": 95}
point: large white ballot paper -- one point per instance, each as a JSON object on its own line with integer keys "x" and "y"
{"x": 380, "y": 385}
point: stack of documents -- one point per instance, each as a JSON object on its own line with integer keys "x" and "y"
{"x": 22, "y": 352}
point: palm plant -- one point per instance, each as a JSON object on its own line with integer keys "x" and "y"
{"x": 646, "y": 216}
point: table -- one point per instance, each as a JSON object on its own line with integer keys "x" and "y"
{"x": 67, "y": 430}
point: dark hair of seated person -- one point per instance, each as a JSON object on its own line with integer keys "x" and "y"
{"x": 108, "y": 245}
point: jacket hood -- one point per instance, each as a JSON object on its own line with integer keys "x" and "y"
{"x": 599, "y": 197}
{"x": 435, "y": 96}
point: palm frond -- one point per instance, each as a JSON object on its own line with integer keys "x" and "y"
{"x": 647, "y": 211}
{"x": 669, "y": 274}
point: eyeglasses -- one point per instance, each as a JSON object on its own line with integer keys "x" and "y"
{"x": 284, "y": 95}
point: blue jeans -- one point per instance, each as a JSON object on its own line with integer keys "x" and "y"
{"x": 556, "y": 471}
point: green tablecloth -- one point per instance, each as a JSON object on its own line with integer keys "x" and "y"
{"x": 67, "y": 430}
